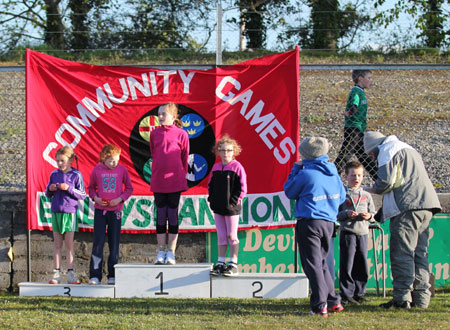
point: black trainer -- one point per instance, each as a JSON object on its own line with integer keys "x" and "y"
{"x": 403, "y": 304}
{"x": 231, "y": 270}
{"x": 349, "y": 301}
{"x": 218, "y": 269}
{"x": 360, "y": 299}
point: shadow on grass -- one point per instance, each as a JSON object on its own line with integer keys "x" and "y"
{"x": 202, "y": 307}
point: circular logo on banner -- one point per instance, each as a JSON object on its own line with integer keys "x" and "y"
{"x": 201, "y": 143}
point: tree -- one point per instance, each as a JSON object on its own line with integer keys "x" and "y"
{"x": 54, "y": 29}
{"x": 81, "y": 22}
{"x": 429, "y": 16}
{"x": 255, "y": 16}
{"x": 155, "y": 24}
{"x": 329, "y": 27}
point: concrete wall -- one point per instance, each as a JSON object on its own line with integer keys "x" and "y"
{"x": 135, "y": 248}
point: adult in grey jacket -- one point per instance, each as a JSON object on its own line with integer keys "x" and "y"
{"x": 409, "y": 201}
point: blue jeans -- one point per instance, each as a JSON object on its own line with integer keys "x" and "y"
{"x": 112, "y": 220}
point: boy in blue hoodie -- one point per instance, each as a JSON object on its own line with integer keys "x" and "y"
{"x": 318, "y": 191}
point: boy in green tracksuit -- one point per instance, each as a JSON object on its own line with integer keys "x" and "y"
{"x": 356, "y": 124}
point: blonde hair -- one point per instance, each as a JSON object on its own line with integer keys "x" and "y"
{"x": 172, "y": 108}
{"x": 66, "y": 151}
{"x": 227, "y": 140}
{"x": 109, "y": 150}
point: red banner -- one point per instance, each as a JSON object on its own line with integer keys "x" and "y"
{"x": 85, "y": 106}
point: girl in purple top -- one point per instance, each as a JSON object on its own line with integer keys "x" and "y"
{"x": 227, "y": 187}
{"x": 65, "y": 188}
{"x": 169, "y": 147}
{"x": 109, "y": 187}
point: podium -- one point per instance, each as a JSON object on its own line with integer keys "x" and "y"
{"x": 33, "y": 289}
{"x": 260, "y": 285}
{"x": 163, "y": 281}
{"x": 178, "y": 281}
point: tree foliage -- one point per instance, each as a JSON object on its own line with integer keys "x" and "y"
{"x": 329, "y": 27}
{"x": 429, "y": 18}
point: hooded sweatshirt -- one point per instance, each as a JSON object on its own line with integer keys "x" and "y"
{"x": 317, "y": 189}
{"x": 109, "y": 183}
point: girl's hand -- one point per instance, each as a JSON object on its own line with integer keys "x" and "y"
{"x": 63, "y": 186}
{"x": 115, "y": 201}
{"x": 53, "y": 187}
{"x": 101, "y": 201}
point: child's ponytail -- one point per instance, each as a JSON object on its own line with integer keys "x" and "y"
{"x": 178, "y": 123}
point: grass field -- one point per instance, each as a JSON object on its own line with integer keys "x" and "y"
{"x": 89, "y": 313}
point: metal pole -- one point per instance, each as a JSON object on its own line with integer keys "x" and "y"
{"x": 383, "y": 263}
{"x": 29, "y": 255}
{"x": 375, "y": 258}
{"x": 295, "y": 251}
{"x": 219, "y": 34}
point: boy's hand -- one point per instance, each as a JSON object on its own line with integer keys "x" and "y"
{"x": 352, "y": 214}
{"x": 365, "y": 216}
{"x": 299, "y": 162}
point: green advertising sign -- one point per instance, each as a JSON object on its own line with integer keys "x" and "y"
{"x": 272, "y": 251}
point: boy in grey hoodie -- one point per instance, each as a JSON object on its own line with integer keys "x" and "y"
{"x": 354, "y": 216}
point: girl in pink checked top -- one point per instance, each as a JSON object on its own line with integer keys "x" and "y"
{"x": 106, "y": 188}
{"x": 227, "y": 187}
{"x": 169, "y": 148}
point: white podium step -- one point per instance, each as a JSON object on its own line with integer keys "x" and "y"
{"x": 66, "y": 290}
{"x": 163, "y": 281}
{"x": 260, "y": 285}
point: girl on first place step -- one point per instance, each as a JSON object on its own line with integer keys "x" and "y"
{"x": 169, "y": 148}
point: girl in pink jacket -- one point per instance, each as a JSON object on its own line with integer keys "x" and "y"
{"x": 169, "y": 147}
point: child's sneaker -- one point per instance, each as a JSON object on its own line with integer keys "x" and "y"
{"x": 71, "y": 278}
{"x": 231, "y": 270}
{"x": 94, "y": 281}
{"x": 170, "y": 258}
{"x": 56, "y": 278}
{"x": 160, "y": 258}
{"x": 323, "y": 312}
{"x": 218, "y": 269}
{"x": 336, "y": 309}
{"x": 111, "y": 280}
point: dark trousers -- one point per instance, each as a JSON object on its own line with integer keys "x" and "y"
{"x": 313, "y": 239}
{"x": 353, "y": 269}
{"x": 354, "y": 145}
{"x": 112, "y": 220}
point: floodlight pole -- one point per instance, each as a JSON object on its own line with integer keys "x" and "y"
{"x": 219, "y": 34}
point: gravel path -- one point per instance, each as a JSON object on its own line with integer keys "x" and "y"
{"x": 414, "y": 105}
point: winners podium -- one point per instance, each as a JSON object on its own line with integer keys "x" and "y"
{"x": 179, "y": 281}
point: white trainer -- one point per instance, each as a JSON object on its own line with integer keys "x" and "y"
{"x": 160, "y": 258}
{"x": 56, "y": 278}
{"x": 71, "y": 278}
{"x": 170, "y": 258}
{"x": 94, "y": 281}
